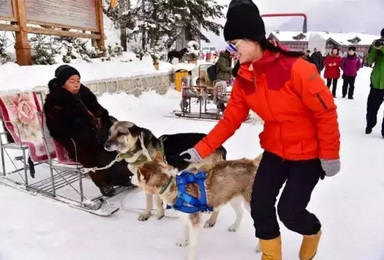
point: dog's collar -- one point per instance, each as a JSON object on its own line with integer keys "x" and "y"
{"x": 142, "y": 158}
{"x": 122, "y": 156}
{"x": 165, "y": 186}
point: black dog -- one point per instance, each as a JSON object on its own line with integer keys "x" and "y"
{"x": 174, "y": 144}
{"x": 176, "y": 54}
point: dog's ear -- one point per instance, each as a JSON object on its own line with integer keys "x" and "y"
{"x": 257, "y": 160}
{"x": 158, "y": 157}
{"x": 142, "y": 175}
{"x": 135, "y": 130}
{"x": 113, "y": 119}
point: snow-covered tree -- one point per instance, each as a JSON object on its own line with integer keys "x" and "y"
{"x": 161, "y": 22}
{"x": 4, "y": 56}
{"x": 42, "y": 51}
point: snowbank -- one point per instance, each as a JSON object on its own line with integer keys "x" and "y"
{"x": 13, "y": 76}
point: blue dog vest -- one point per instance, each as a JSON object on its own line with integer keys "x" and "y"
{"x": 187, "y": 203}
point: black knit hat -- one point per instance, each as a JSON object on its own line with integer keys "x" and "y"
{"x": 63, "y": 73}
{"x": 353, "y": 48}
{"x": 382, "y": 32}
{"x": 244, "y": 21}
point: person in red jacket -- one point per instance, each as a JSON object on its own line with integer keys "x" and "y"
{"x": 301, "y": 139}
{"x": 332, "y": 69}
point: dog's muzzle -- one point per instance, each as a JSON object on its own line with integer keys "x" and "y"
{"x": 108, "y": 146}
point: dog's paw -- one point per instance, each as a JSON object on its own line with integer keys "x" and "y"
{"x": 160, "y": 216}
{"x": 182, "y": 243}
{"x": 233, "y": 228}
{"x": 209, "y": 224}
{"x": 144, "y": 217}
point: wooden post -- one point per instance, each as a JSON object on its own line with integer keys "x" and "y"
{"x": 99, "y": 20}
{"x": 23, "y": 49}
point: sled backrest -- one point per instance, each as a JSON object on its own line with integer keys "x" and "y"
{"x": 20, "y": 115}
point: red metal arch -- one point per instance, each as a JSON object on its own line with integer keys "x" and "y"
{"x": 290, "y": 14}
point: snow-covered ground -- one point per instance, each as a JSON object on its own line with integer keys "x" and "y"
{"x": 348, "y": 204}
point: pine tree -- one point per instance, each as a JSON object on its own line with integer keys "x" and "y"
{"x": 159, "y": 22}
{"x": 195, "y": 15}
{"x": 43, "y": 52}
{"x": 4, "y": 57}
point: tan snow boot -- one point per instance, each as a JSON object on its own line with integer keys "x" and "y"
{"x": 309, "y": 246}
{"x": 271, "y": 249}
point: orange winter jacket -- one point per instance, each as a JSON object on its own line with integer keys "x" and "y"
{"x": 300, "y": 120}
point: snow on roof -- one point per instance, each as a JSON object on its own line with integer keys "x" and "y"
{"x": 341, "y": 38}
{"x": 289, "y": 35}
{"x": 345, "y": 38}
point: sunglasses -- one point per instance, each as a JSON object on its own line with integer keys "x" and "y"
{"x": 233, "y": 47}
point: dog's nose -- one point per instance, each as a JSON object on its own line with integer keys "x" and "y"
{"x": 107, "y": 144}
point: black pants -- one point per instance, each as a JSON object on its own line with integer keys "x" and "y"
{"x": 334, "y": 85}
{"x": 348, "y": 80}
{"x": 375, "y": 99}
{"x": 300, "y": 177}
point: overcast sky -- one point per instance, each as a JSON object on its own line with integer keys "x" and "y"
{"x": 365, "y": 16}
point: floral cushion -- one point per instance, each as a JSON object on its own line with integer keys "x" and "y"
{"x": 19, "y": 113}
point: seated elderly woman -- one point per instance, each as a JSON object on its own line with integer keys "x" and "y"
{"x": 73, "y": 113}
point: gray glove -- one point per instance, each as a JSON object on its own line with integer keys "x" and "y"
{"x": 330, "y": 167}
{"x": 191, "y": 155}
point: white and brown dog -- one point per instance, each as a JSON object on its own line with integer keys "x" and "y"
{"x": 138, "y": 145}
{"x": 226, "y": 181}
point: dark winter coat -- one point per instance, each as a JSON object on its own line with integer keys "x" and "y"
{"x": 317, "y": 59}
{"x": 332, "y": 67}
{"x": 224, "y": 67}
{"x": 81, "y": 118}
{"x": 350, "y": 65}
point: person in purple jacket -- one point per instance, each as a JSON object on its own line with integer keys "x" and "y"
{"x": 350, "y": 65}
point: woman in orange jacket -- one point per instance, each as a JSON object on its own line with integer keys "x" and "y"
{"x": 300, "y": 136}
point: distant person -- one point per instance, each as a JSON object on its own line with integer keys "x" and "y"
{"x": 223, "y": 65}
{"x": 317, "y": 59}
{"x": 202, "y": 56}
{"x": 350, "y": 65}
{"x": 376, "y": 95}
{"x": 208, "y": 56}
{"x": 307, "y": 55}
{"x": 332, "y": 69}
{"x": 224, "y": 70}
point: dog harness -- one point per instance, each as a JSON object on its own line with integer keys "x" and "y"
{"x": 185, "y": 202}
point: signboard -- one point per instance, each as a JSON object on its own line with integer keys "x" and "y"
{"x": 71, "y": 13}
{"x": 85, "y": 16}
{"x": 6, "y": 8}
